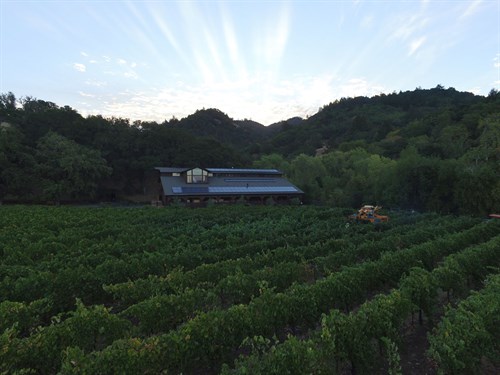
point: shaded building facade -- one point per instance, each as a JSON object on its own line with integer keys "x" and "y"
{"x": 225, "y": 185}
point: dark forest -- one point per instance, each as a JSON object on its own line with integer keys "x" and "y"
{"x": 428, "y": 149}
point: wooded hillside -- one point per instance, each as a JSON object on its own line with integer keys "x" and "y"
{"x": 428, "y": 149}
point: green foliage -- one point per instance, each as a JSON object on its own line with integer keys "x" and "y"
{"x": 434, "y": 149}
{"x": 355, "y": 177}
{"x": 419, "y": 288}
{"x": 354, "y": 338}
{"x": 68, "y": 170}
{"x": 468, "y": 332}
{"x": 88, "y": 328}
{"x": 24, "y": 316}
{"x": 179, "y": 290}
{"x": 16, "y": 163}
{"x": 273, "y": 161}
{"x": 393, "y": 357}
{"x": 308, "y": 172}
{"x": 294, "y": 357}
{"x": 8, "y": 103}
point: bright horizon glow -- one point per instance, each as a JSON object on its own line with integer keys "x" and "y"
{"x": 267, "y": 61}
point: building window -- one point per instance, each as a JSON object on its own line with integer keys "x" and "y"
{"x": 196, "y": 176}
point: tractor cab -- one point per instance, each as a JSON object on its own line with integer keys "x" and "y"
{"x": 369, "y": 214}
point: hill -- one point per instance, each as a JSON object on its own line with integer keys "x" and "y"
{"x": 426, "y": 149}
{"x": 213, "y": 123}
{"x": 386, "y": 124}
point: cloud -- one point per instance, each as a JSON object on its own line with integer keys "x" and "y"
{"x": 95, "y": 83}
{"x": 496, "y": 61}
{"x": 270, "y": 40}
{"x": 471, "y": 9}
{"x": 131, "y": 74}
{"x": 278, "y": 38}
{"x": 79, "y": 67}
{"x": 408, "y": 26}
{"x": 165, "y": 29}
{"x": 359, "y": 87}
{"x": 84, "y": 54}
{"x": 367, "y": 22}
{"x": 475, "y": 90}
{"x": 254, "y": 98}
{"x": 112, "y": 66}
{"x": 415, "y": 45}
{"x": 86, "y": 95}
{"x": 230, "y": 37}
{"x": 214, "y": 52}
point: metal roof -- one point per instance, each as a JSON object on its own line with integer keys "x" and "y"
{"x": 172, "y": 169}
{"x": 217, "y": 190}
{"x": 243, "y": 170}
{"x": 222, "y": 170}
{"x": 177, "y": 186}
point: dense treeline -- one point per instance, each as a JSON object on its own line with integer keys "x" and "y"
{"x": 49, "y": 152}
{"x": 436, "y": 149}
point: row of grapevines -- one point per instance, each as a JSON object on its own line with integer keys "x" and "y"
{"x": 469, "y": 333}
{"x": 212, "y": 338}
{"x": 88, "y": 328}
{"x": 210, "y": 274}
{"x": 164, "y": 312}
{"x": 369, "y": 339}
{"x": 67, "y": 253}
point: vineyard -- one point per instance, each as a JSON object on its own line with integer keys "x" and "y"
{"x": 246, "y": 290}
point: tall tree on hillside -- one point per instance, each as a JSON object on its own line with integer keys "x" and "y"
{"x": 489, "y": 140}
{"x": 478, "y": 187}
{"x": 68, "y": 170}
{"x": 308, "y": 173}
{"x": 16, "y": 163}
{"x": 415, "y": 178}
{"x": 7, "y": 105}
{"x": 276, "y": 161}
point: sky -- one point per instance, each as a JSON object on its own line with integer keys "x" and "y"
{"x": 268, "y": 61}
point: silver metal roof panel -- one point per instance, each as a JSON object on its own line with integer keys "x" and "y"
{"x": 216, "y": 190}
{"x": 243, "y": 170}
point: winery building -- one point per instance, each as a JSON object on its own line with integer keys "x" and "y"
{"x": 225, "y": 185}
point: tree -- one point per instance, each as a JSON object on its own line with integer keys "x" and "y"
{"x": 478, "y": 186}
{"x": 16, "y": 163}
{"x": 477, "y": 189}
{"x": 489, "y": 140}
{"x": 68, "y": 170}
{"x": 453, "y": 141}
{"x": 7, "y": 103}
{"x": 415, "y": 178}
{"x": 273, "y": 161}
{"x": 308, "y": 173}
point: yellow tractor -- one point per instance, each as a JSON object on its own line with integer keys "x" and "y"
{"x": 369, "y": 214}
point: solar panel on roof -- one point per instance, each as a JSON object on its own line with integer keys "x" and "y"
{"x": 252, "y": 189}
{"x": 234, "y": 189}
{"x": 243, "y": 170}
{"x": 195, "y": 189}
{"x": 254, "y": 179}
